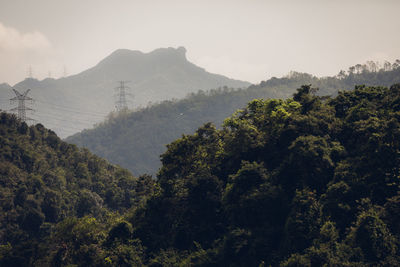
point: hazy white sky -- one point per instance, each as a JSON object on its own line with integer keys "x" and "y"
{"x": 244, "y": 39}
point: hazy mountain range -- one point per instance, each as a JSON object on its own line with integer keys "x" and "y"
{"x": 68, "y": 105}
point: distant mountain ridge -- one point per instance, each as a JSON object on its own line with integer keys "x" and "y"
{"x": 68, "y": 105}
{"x": 135, "y": 140}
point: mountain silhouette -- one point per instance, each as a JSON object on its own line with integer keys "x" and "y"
{"x": 70, "y": 104}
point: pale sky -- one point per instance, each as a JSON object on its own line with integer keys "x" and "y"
{"x": 250, "y": 40}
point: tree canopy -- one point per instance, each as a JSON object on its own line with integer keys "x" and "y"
{"x": 45, "y": 181}
{"x": 306, "y": 181}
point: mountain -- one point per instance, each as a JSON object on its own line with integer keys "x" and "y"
{"x": 68, "y": 105}
{"x": 135, "y": 140}
{"x": 44, "y": 181}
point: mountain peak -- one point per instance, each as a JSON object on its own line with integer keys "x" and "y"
{"x": 134, "y": 63}
{"x": 170, "y": 51}
{"x": 124, "y": 55}
{"x": 125, "y": 52}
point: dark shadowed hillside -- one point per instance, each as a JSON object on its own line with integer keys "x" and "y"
{"x": 134, "y": 140}
{"x": 44, "y": 181}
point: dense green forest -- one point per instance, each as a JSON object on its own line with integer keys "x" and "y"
{"x": 307, "y": 181}
{"x": 299, "y": 182}
{"x": 135, "y": 140}
{"x": 45, "y": 181}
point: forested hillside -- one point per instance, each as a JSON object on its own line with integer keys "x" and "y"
{"x": 44, "y": 181}
{"x": 135, "y": 140}
{"x": 307, "y": 181}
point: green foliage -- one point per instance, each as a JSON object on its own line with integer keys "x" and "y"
{"x": 44, "y": 184}
{"x": 372, "y": 235}
{"x": 309, "y": 181}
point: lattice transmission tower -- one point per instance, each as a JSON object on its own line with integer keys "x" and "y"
{"x": 121, "y": 102}
{"x": 22, "y": 108}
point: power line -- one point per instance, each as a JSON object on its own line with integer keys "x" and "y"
{"x": 72, "y": 108}
{"x": 62, "y": 126}
{"x": 61, "y": 123}
{"x": 51, "y": 126}
{"x": 71, "y": 120}
{"x": 65, "y": 108}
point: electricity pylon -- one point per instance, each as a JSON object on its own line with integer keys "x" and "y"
{"x": 122, "y": 103}
{"x": 21, "y": 98}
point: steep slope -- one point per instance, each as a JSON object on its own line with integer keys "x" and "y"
{"x": 134, "y": 140}
{"x": 44, "y": 180}
{"x": 68, "y": 105}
